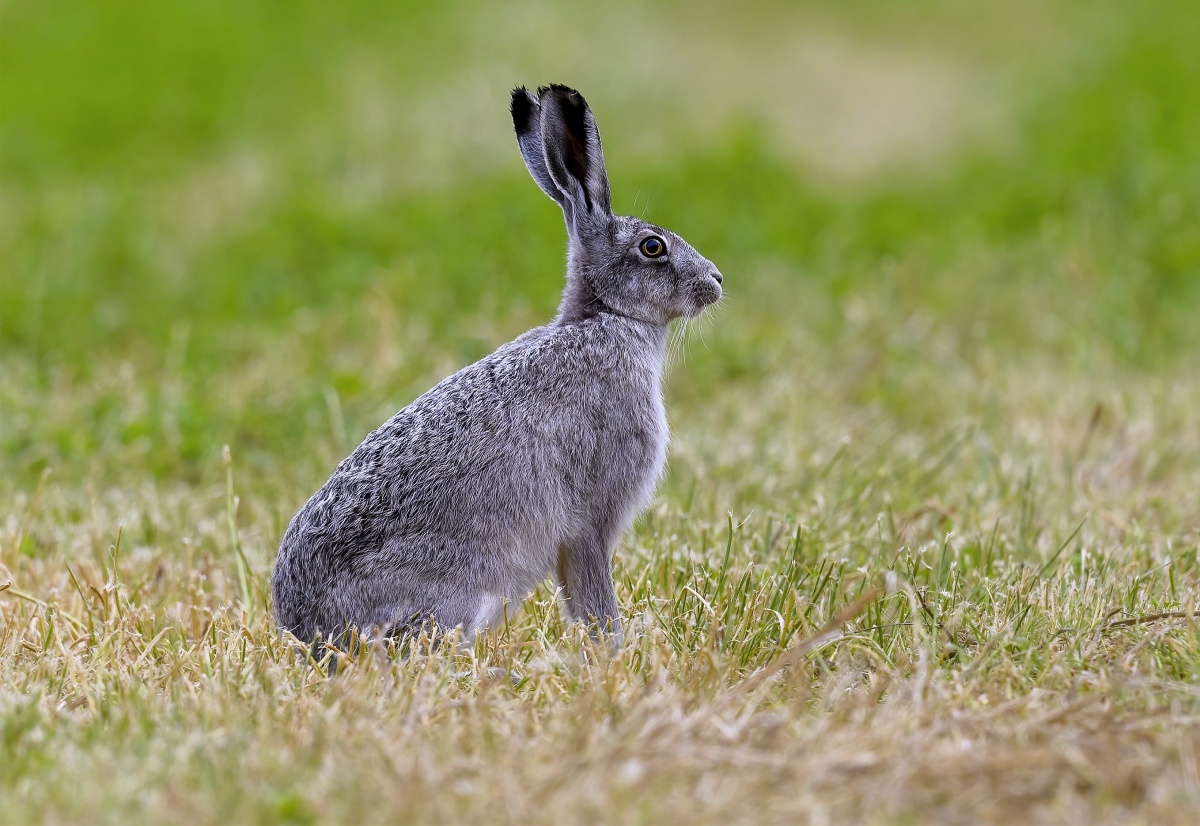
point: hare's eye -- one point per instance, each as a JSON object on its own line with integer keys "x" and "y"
{"x": 653, "y": 247}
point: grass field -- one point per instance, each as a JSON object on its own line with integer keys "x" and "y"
{"x": 927, "y": 549}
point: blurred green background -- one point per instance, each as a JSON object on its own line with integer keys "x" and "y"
{"x": 270, "y": 225}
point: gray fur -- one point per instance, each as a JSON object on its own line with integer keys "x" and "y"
{"x": 532, "y": 461}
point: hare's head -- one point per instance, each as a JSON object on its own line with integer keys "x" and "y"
{"x": 616, "y": 263}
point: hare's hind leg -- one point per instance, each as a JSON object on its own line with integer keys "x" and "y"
{"x": 470, "y": 613}
{"x": 488, "y": 612}
{"x": 585, "y": 577}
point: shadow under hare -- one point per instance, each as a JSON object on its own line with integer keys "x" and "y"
{"x": 532, "y": 461}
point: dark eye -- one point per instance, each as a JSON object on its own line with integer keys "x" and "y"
{"x": 653, "y": 247}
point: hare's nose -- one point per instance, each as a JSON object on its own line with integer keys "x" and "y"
{"x": 716, "y": 275}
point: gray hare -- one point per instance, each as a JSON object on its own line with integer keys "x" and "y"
{"x": 534, "y": 460}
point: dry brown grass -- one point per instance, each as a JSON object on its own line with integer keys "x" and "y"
{"x": 822, "y": 670}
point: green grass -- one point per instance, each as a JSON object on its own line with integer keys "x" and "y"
{"x": 927, "y": 546}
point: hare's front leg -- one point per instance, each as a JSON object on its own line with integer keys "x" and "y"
{"x": 585, "y": 576}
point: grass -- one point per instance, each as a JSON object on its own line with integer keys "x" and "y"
{"x": 927, "y": 547}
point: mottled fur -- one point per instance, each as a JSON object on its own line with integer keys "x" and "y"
{"x": 532, "y": 461}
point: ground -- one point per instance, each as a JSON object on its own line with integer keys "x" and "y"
{"x": 927, "y": 549}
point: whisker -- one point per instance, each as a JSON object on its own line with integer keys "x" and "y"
{"x": 672, "y": 346}
{"x": 685, "y": 338}
{"x": 676, "y": 342}
{"x": 700, "y": 330}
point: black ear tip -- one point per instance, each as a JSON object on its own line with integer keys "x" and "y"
{"x": 522, "y": 108}
{"x": 563, "y": 93}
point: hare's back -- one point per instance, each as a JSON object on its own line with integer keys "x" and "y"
{"x": 468, "y": 455}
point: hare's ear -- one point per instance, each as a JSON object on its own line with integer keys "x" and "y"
{"x": 527, "y": 120}
{"x": 573, "y": 155}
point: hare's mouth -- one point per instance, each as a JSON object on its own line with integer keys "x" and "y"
{"x": 702, "y": 300}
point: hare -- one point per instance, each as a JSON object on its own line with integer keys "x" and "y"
{"x": 532, "y": 461}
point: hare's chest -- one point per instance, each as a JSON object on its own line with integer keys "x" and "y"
{"x": 645, "y": 455}
{"x": 657, "y": 437}
{"x": 618, "y": 446}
